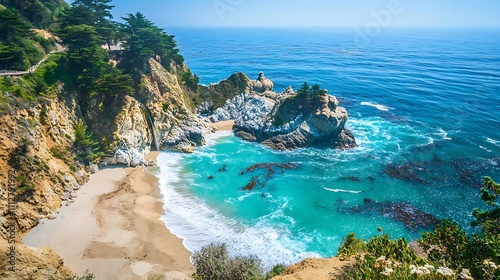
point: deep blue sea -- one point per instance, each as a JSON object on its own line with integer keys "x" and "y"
{"x": 424, "y": 105}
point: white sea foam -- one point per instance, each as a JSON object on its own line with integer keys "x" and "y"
{"x": 492, "y": 141}
{"x": 378, "y": 106}
{"x": 341, "y": 190}
{"x": 198, "y": 224}
{"x": 444, "y": 134}
{"x": 486, "y": 149}
{"x": 212, "y": 138}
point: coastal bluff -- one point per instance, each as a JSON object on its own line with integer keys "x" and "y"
{"x": 286, "y": 120}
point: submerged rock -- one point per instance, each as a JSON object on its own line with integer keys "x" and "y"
{"x": 262, "y": 180}
{"x": 411, "y": 217}
{"x": 250, "y": 186}
{"x": 223, "y": 168}
{"x": 352, "y": 178}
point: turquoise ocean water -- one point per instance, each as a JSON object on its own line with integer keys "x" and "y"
{"x": 423, "y": 104}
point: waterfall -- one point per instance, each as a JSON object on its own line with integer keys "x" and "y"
{"x": 155, "y": 139}
{"x": 152, "y": 127}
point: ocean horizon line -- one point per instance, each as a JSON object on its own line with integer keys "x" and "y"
{"x": 336, "y": 27}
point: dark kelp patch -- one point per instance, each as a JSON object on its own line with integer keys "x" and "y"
{"x": 262, "y": 180}
{"x": 411, "y": 217}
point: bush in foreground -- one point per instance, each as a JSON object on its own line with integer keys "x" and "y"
{"x": 213, "y": 262}
{"x": 445, "y": 253}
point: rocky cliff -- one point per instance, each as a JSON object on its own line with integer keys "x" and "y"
{"x": 287, "y": 120}
{"x": 35, "y": 145}
{"x": 175, "y": 126}
{"x": 156, "y": 117}
{"x": 37, "y": 151}
{"x": 37, "y": 139}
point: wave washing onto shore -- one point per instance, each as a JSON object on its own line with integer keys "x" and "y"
{"x": 198, "y": 224}
{"x": 425, "y": 129}
{"x": 306, "y": 211}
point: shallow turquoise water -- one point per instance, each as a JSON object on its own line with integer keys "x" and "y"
{"x": 427, "y": 99}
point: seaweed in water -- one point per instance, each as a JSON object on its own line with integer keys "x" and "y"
{"x": 270, "y": 168}
{"x": 411, "y": 217}
{"x": 352, "y": 178}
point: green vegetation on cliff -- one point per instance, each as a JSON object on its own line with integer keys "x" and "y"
{"x": 41, "y": 13}
{"x": 20, "y": 47}
{"x": 32, "y": 88}
{"x": 305, "y": 101}
{"x": 143, "y": 40}
{"x": 215, "y": 95}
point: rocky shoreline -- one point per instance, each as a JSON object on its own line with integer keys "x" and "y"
{"x": 259, "y": 112}
{"x": 160, "y": 118}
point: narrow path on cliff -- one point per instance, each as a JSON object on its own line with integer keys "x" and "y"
{"x": 59, "y": 49}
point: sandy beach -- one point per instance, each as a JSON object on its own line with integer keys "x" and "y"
{"x": 113, "y": 229}
{"x": 223, "y": 125}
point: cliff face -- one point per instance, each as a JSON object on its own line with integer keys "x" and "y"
{"x": 176, "y": 127}
{"x": 156, "y": 117}
{"x": 37, "y": 143}
{"x": 32, "y": 144}
{"x": 287, "y": 120}
{"x": 33, "y": 147}
{"x": 34, "y": 263}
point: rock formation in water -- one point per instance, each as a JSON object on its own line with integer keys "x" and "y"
{"x": 287, "y": 120}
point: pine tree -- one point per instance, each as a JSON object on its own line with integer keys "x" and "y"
{"x": 489, "y": 219}
{"x": 143, "y": 40}
{"x": 12, "y": 27}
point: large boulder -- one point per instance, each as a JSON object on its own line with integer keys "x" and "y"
{"x": 262, "y": 84}
{"x": 31, "y": 263}
{"x": 289, "y": 120}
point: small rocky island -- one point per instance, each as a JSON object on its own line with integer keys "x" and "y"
{"x": 308, "y": 117}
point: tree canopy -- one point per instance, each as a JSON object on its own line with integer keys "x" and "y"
{"x": 95, "y": 13}
{"x": 41, "y": 13}
{"x": 143, "y": 40}
{"x": 12, "y": 27}
{"x": 89, "y": 63}
{"x": 489, "y": 219}
{"x": 15, "y": 50}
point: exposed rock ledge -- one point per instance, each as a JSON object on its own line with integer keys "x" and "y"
{"x": 156, "y": 117}
{"x": 286, "y": 120}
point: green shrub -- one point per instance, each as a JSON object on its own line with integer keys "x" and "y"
{"x": 449, "y": 252}
{"x": 25, "y": 191}
{"x": 62, "y": 154}
{"x": 447, "y": 243}
{"x": 86, "y": 276}
{"x": 86, "y": 146}
{"x": 275, "y": 271}
{"x": 213, "y": 262}
{"x": 351, "y": 246}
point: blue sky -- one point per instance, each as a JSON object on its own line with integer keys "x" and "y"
{"x": 345, "y": 13}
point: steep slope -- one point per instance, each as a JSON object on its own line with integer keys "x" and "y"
{"x": 35, "y": 154}
{"x": 176, "y": 127}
